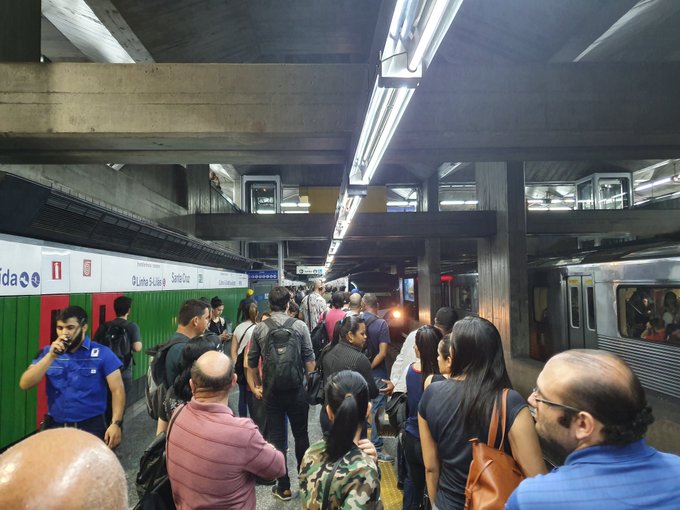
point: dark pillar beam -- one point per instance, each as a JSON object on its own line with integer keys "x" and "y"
{"x": 502, "y": 259}
{"x": 429, "y": 264}
{"x": 429, "y": 289}
{"x": 20, "y": 31}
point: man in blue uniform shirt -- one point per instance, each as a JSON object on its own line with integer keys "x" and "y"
{"x": 78, "y": 373}
{"x": 590, "y": 405}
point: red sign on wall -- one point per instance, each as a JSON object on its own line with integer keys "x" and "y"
{"x": 56, "y": 269}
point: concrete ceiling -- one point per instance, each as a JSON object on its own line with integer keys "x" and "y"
{"x": 522, "y": 34}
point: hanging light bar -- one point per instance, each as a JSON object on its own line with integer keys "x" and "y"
{"x": 417, "y": 28}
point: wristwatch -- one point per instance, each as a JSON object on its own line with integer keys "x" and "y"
{"x": 117, "y": 422}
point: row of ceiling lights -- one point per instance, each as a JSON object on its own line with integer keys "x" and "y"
{"x": 416, "y": 31}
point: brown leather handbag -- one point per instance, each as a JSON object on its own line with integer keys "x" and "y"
{"x": 493, "y": 473}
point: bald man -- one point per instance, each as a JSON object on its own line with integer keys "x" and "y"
{"x": 62, "y": 469}
{"x": 213, "y": 458}
{"x": 590, "y": 405}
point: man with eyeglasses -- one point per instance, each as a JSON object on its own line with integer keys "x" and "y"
{"x": 591, "y": 406}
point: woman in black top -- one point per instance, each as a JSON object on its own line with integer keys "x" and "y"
{"x": 452, "y": 412}
{"x": 344, "y": 353}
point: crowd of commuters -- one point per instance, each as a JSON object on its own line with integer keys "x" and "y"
{"x": 587, "y": 404}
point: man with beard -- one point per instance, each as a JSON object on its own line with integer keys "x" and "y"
{"x": 590, "y": 405}
{"x": 78, "y": 373}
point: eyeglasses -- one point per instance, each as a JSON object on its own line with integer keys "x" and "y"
{"x": 550, "y": 403}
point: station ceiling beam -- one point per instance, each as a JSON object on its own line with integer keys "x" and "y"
{"x": 305, "y": 114}
{"x": 637, "y": 222}
{"x": 368, "y": 227}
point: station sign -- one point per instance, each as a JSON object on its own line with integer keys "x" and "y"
{"x": 264, "y": 275}
{"x": 313, "y": 270}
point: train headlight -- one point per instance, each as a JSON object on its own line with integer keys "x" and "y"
{"x": 396, "y": 314}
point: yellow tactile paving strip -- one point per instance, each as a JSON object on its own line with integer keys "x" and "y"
{"x": 389, "y": 494}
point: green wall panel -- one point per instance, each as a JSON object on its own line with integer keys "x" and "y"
{"x": 154, "y": 312}
{"x": 19, "y": 332}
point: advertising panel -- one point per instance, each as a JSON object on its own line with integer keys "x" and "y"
{"x": 20, "y": 269}
{"x": 178, "y": 277}
{"x": 86, "y": 272}
{"x": 56, "y": 269}
{"x": 121, "y": 274}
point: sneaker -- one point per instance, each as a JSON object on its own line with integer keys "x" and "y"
{"x": 283, "y": 495}
{"x": 384, "y": 457}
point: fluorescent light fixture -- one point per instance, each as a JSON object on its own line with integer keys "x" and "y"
{"x": 335, "y": 246}
{"x": 439, "y": 19}
{"x": 384, "y": 113}
{"x": 471, "y": 202}
{"x": 400, "y": 203}
{"x": 397, "y": 19}
{"x": 535, "y": 201}
{"x": 559, "y": 208}
{"x": 289, "y": 204}
{"x": 296, "y": 211}
{"x": 651, "y": 184}
{"x": 304, "y": 204}
{"x": 452, "y": 202}
{"x": 266, "y": 211}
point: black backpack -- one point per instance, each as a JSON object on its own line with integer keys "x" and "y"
{"x": 319, "y": 337}
{"x": 115, "y": 336}
{"x": 156, "y": 386}
{"x": 282, "y": 368}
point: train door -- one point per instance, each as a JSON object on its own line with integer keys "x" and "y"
{"x": 581, "y": 312}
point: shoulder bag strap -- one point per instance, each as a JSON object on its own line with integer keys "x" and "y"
{"x": 503, "y": 416}
{"x": 327, "y": 489}
{"x": 172, "y": 422}
{"x": 244, "y": 334}
{"x": 309, "y": 312}
{"x": 493, "y": 424}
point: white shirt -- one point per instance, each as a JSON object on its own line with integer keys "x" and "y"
{"x": 242, "y": 335}
{"x": 406, "y": 356}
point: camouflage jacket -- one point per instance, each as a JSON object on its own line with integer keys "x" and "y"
{"x": 355, "y": 485}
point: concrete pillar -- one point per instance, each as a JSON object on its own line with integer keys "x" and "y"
{"x": 20, "y": 31}
{"x": 429, "y": 265}
{"x": 502, "y": 260}
{"x": 429, "y": 288}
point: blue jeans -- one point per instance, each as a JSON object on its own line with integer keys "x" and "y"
{"x": 378, "y": 402}
{"x": 414, "y": 485}
{"x": 243, "y": 400}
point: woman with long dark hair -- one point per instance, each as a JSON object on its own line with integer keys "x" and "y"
{"x": 427, "y": 340}
{"x": 453, "y": 412}
{"x": 180, "y": 392}
{"x": 344, "y": 353}
{"x": 338, "y": 465}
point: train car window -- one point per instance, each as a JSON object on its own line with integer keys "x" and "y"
{"x": 574, "y": 306}
{"x": 540, "y": 304}
{"x": 590, "y": 307}
{"x": 649, "y": 313}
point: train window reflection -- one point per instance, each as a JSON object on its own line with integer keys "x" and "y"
{"x": 574, "y": 306}
{"x": 649, "y": 313}
{"x": 590, "y": 304}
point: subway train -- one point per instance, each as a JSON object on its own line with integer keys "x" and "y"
{"x": 601, "y": 300}
{"x": 37, "y": 279}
